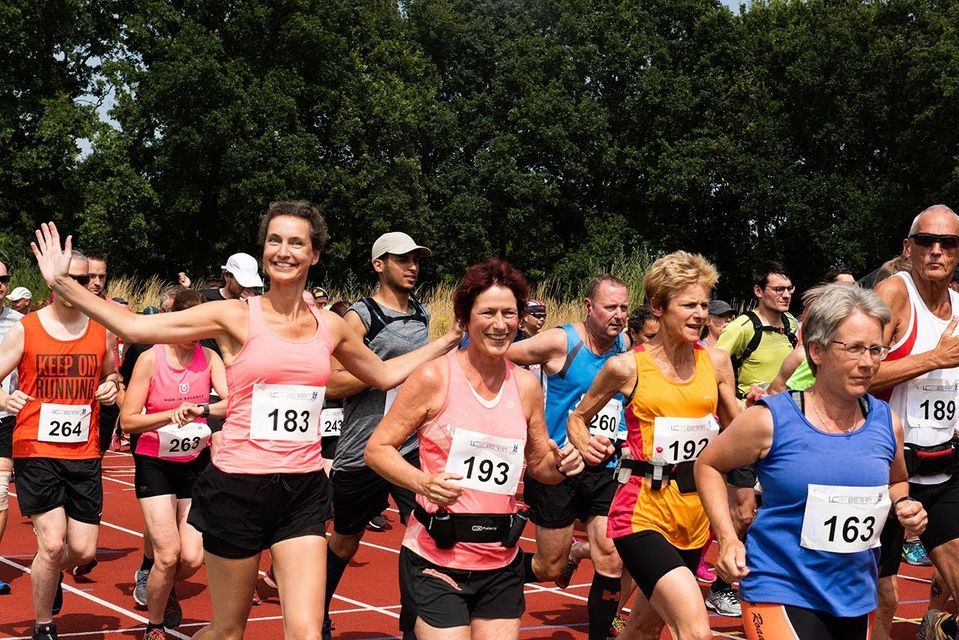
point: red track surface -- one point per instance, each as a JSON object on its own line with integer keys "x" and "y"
{"x": 367, "y": 606}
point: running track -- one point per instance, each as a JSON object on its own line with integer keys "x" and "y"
{"x": 367, "y": 606}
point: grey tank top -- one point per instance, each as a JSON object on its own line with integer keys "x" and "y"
{"x": 362, "y": 412}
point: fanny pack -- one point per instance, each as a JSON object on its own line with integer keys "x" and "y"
{"x": 658, "y": 474}
{"x": 932, "y": 460}
{"x": 447, "y": 528}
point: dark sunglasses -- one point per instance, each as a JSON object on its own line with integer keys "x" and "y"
{"x": 4, "y": 279}
{"x": 81, "y": 280}
{"x": 926, "y": 240}
{"x": 537, "y": 314}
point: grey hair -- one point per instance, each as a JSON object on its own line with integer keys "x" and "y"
{"x": 828, "y": 306}
{"x": 914, "y": 227}
{"x": 79, "y": 256}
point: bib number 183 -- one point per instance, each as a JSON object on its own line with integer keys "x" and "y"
{"x": 286, "y": 412}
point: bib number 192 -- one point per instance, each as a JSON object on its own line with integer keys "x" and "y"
{"x": 690, "y": 449}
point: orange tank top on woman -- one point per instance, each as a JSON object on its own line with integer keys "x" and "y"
{"x": 59, "y": 374}
{"x": 679, "y": 517}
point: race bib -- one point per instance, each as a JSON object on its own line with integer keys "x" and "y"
{"x": 682, "y": 439}
{"x": 332, "y": 420}
{"x": 844, "y": 519}
{"x": 390, "y": 397}
{"x": 931, "y": 403}
{"x": 64, "y": 423}
{"x": 606, "y": 420}
{"x": 288, "y": 412}
{"x": 487, "y": 463}
{"x": 181, "y": 442}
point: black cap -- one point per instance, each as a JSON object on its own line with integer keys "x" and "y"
{"x": 720, "y": 308}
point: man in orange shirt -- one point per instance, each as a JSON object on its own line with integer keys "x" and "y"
{"x": 65, "y": 366}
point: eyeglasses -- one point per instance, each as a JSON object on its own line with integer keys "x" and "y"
{"x": 4, "y": 279}
{"x": 856, "y": 351}
{"x": 81, "y": 280}
{"x": 781, "y": 290}
{"x": 926, "y": 240}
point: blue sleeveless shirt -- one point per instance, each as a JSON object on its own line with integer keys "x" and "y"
{"x": 566, "y": 388}
{"x": 780, "y": 570}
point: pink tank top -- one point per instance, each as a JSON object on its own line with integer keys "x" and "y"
{"x": 485, "y": 442}
{"x": 169, "y": 388}
{"x": 276, "y": 391}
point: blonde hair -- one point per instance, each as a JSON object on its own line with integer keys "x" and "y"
{"x": 674, "y": 272}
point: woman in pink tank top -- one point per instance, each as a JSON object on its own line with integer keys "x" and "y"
{"x": 165, "y": 407}
{"x": 479, "y": 418}
{"x": 266, "y": 488}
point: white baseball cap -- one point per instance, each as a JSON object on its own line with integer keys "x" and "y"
{"x": 244, "y": 268}
{"x": 20, "y": 293}
{"x": 397, "y": 243}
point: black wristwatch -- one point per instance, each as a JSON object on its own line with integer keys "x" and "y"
{"x": 206, "y": 410}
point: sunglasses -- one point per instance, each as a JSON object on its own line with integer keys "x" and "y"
{"x": 4, "y": 279}
{"x": 81, "y": 280}
{"x": 926, "y": 240}
{"x": 538, "y": 315}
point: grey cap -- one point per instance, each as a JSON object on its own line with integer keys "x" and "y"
{"x": 397, "y": 243}
{"x": 720, "y": 308}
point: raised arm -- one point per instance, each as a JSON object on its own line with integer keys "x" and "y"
{"x": 540, "y": 349}
{"x": 618, "y": 375}
{"x": 342, "y": 383}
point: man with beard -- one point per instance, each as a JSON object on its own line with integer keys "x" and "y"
{"x": 391, "y": 324}
{"x": 571, "y": 356}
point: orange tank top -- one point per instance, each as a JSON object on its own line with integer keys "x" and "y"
{"x": 63, "y": 376}
{"x": 679, "y": 517}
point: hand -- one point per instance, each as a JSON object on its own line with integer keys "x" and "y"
{"x": 187, "y": 413}
{"x": 454, "y": 336}
{"x": 731, "y": 561}
{"x": 16, "y": 402}
{"x": 948, "y": 347}
{"x": 598, "y": 450}
{"x": 183, "y": 280}
{"x": 912, "y": 517}
{"x": 53, "y": 261}
{"x": 568, "y": 460}
{"x": 107, "y": 392}
{"x": 439, "y": 489}
{"x": 756, "y": 392}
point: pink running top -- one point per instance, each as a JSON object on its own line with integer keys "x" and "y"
{"x": 485, "y": 442}
{"x": 276, "y": 389}
{"x": 170, "y": 387}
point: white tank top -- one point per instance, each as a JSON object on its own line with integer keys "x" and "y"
{"x": 928, "y": 405}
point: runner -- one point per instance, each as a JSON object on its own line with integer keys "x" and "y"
{"x": 830, "y": 460}
{"x": 65, "y": 368}
{"x": 240, "y": 279}
{"x": 477, "y": 417}
{"x": 642, "y": 325}
{"x": 674, "y": 386}
{"x": 720, "y": 315}
{"x": 8, "y": 318}
{"x": 265, "y": 488}
{"x": 533, "y": 320}
{"x": 571, "y": 356}
{"x": 170, "y": 449}
{"x": 20, "y": 299}
{"x": 391, "y": 323}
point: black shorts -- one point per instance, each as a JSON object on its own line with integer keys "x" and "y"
{"x": 890, "y": 548}
{"x": 742, "y": 477}
{"x": 241, "y": 514}
{"x": 6, "y": 436}
{"x": 648, "y": 556}
{"x": 789, "y": 622}
{"x": 158, "y": 477}
{"x": 556, "y": 506}
{"x": 446, "y": 598}
{"x": 329, "y": 446}
{"x": 361, "y": 494}
{"x": 44, "y": 484}
{"x": 109, "y": 415}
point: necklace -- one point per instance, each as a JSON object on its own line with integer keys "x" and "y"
{"x": 844, "y": 430}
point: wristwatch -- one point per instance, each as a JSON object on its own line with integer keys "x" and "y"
{"x": 206, "y": 410}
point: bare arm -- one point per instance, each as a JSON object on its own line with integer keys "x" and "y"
{"x": 910, "y": 513}
{"x": 132, "y": 420}
{"x": 545, "y": 461}
{"x": 342, "y": 383}
{"x": 728, "y": 407}
{"x": 11, "y": 352}
{"x": 618, "y": 375}
{"x": 419, "y": 400}
{"x": 788, "y": 368}
{"x": 540, "y": 349}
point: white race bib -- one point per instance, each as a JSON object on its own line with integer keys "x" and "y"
{"x": 64, "y": 423}
{"x": 682, "y": 439}
{"x": 332, "y": 420}
{"x": 390, "y": 397}
{"x": 487, "y": 463}
{"x": 606, "y": 420}
{"x": 181, "y": 442}
{"x": 288, "y": 412}
{"x": 844, "y": 519}
{"x": 931, "y": 403}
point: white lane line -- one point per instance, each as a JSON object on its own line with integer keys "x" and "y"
{"x": 99, "y": 601}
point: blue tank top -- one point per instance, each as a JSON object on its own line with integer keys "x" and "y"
{"x": 567, "y": 387}
{"x": 780, "y": 570}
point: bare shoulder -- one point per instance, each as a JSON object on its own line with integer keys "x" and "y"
{"x": 719, "y": 357}
{"x": 525, "y": 380}
{"x": 621, "y": 366}
{"x": 430, "y": 378}
{"x": 893, "y": 291}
